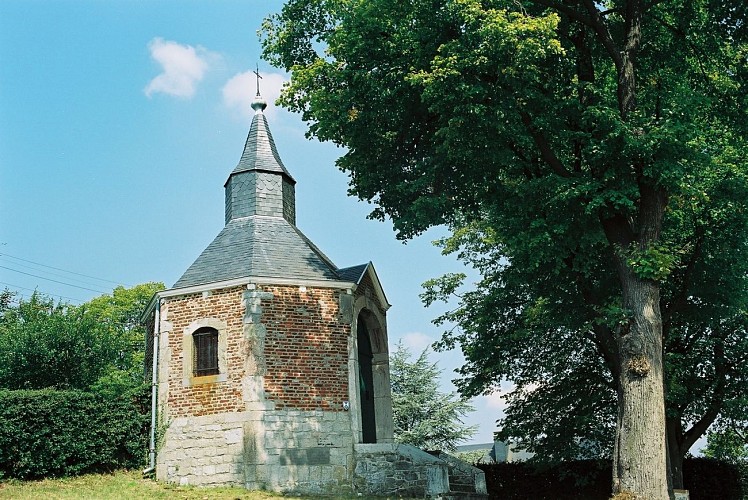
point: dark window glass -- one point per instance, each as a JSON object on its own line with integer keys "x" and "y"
{"x": 206, "y": 351}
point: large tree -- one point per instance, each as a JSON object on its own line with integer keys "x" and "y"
{"x": 572, "y": 140}
{"x": 563, "y": 403}
{"x": 423, "y": 415}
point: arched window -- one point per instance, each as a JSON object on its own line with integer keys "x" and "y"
{"x": 205, "y": 360}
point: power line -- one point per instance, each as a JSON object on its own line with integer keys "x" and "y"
{"x": 54, "y": 281}
{"x": 36, "y": 269}
{"x": 60, "y": 269}
{"x": 41, "y": 291}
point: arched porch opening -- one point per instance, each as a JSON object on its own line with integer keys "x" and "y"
{"x": 370, "y": 391}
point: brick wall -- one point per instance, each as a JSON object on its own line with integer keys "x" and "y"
{"x": 305, "y": 359}
{"x": 206, "y": 399}
{"x": 306, "y": 349}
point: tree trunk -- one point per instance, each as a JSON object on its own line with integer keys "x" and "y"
{"x": 676, "y": 467}
{"x": 639, "y": 461}
{"x": 675, "y": 452}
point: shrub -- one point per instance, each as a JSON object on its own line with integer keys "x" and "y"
{"x": 707, "y": 478}
{"x": 591, "y": 480}
{"x": 47, "y": 433}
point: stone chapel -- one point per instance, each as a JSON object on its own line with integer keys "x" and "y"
{"x": 270, "y": 364}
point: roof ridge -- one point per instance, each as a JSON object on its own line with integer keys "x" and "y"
{"x": 316, "y": 250}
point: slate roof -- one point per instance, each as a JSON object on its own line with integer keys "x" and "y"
{"x": 353, "y": 274}
{"x": 263, "y": 245}
{"x": 260, "y": 152}
{"x": 259, "y": 246}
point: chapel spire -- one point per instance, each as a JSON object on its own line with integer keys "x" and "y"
{"x": 260, "y": 183}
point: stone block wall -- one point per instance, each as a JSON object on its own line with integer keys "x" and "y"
{"x": 463, "y": 478}
{"x": 288, "y": 451}
{"x": 295, "y": 451}
{"x": 206, "y": 450}
{"x": 398, "y": 470}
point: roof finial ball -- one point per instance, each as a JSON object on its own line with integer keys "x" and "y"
{"x": 258, "y": 103}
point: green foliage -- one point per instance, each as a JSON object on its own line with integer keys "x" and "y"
{"x": 511, "y": 123}
{"x": 423, "y": 416}
{"x": 48, "y": 345}
{"x": 98, "y": 345}
{"x": 654, "y": 263}
{"x": 55, "y": 433}
{"x": 120, "y": 311}
{"x": 729, "y": 445}
{"x": 474, "y": 457}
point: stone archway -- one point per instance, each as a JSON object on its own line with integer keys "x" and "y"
{"x": 366, "y": 383}
{"x": 370, "y": 377}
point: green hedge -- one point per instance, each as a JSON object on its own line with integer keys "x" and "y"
{"x": 48, "y": 433}
{"x": 591, "y": 480}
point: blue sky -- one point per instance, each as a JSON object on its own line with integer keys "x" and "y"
{"x": 119, "y": 123}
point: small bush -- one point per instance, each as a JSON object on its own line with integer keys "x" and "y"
{"x": 707, "y": 478}
{"x": 591, "y": 480}
{"x": 48, "y": 433}
{"x": 584, "y": 479}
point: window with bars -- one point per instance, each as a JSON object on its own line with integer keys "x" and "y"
{"x": 206, "y": 352}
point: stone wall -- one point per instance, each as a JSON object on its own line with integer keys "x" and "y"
{"x": 463, "y": 478}
{"x": 399, "y": 470}
{"x": 296, "y": 451}
{"x": 205, "y": 450}
{"x": 288, "y": 451}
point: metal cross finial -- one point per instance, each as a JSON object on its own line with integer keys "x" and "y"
{"x": 257, "y": 74}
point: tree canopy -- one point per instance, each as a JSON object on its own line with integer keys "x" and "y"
{"x": 589, "y": 158}
{"x": 423, "y": 416}
{"x": 728, "y": 444}
{"x": 95, "y": 346}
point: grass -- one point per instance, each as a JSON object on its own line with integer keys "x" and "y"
{"x": 119, "y": 485}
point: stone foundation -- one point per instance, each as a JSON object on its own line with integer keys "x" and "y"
{"x": 294, "y": 451}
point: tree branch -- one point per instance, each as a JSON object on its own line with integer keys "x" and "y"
{"x": 713, "y": 411}
{"x": 596, "y": 22}
{"x": 546, "y": 152}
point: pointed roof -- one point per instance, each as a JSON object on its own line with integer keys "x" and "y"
{"x": 259, "y": 246}
{"x": 260, "y": 152}
{"x": 356, "y": 274}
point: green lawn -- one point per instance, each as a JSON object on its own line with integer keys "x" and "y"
{"x": 119, "y": 485}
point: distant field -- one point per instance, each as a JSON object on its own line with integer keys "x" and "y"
{"x": 120, "y": 485}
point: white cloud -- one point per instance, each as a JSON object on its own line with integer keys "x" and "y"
{"x": 417, "y": 342}
{"x": 495, "y": 401}
{"x": 183, "y": 67}
{"x": 241, "y": 89}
